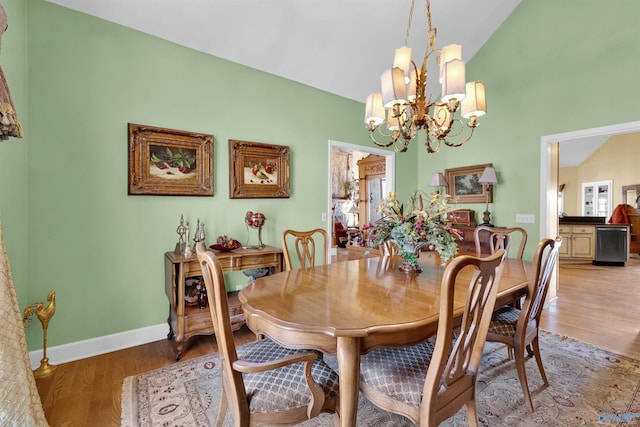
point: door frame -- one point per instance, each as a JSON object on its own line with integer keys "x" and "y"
{"x": 549, "y": 156}
{"x": 390, "y": 162}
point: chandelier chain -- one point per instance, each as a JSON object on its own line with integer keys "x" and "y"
{"x": 406, "y": 37}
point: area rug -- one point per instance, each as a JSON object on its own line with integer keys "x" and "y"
{"x": 587, "y": 386}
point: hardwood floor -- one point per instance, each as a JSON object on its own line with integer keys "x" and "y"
{"x": 598, "y": 305}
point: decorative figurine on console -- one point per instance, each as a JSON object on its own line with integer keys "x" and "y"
{"x": 181, "y": 230}
{"x": 187, "y": 249}
{"x": 198, "y": 235}
{"x": 255, "y": 220}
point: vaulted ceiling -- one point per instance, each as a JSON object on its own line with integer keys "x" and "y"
{"x": 339, "y": 46}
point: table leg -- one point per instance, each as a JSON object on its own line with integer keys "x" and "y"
{"x": 348, "y": 354}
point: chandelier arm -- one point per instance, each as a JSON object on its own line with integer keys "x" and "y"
{"x": 381, "y": 144}
{"x": 427, "y": 144}
{"x": 449, "y": 144}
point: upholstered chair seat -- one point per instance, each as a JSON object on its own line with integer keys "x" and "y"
{"x": 504, "y": 321}
{"x": 398, "y": 372}
{"x": 282, "y": 389}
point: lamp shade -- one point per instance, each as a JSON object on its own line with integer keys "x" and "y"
{"x": 488, "y": 176}
{"x": 394, "y": 90}
{"x": 453, "y": 85}
{"x": 475, "y": 102}
{"x": 402, "y": 60}
{"x": 353, "y": 210}
{"x": 449, "y": 53}
{"x": 374, "y": 111}
{"x": 437, "y": 180}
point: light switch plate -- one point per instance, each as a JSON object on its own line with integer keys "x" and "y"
{"x": 525, "y": 218}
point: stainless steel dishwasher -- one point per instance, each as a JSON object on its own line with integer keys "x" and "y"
{"x": 611, "y": 246}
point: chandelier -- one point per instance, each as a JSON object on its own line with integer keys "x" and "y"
{"x": 407, "y": 107}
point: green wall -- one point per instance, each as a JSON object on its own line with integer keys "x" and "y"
{"x": 71, "y": 227}
{"x": 102, "y": 250}
{"x": 552, "y": 67}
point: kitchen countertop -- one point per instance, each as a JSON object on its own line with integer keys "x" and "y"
{"x": 595, "y": 220}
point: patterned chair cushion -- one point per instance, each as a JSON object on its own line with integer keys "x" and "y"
{"x": 504, "y": 320}
{"x": 398, "y": 372}
{"x": 283, "y": 388}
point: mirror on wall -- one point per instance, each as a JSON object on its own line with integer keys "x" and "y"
{"x": 377, "y": 191}
{"x": 631, "y": 195}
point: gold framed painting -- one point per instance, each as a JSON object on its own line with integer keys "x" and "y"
{"x": 169, "y": 162}
{"x": 463, "y": 185}
{"x": 258, "y": 170}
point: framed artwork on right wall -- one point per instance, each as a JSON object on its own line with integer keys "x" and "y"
{"x": 463, "y": 185}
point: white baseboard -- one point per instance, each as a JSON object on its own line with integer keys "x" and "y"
{"x": 95, "y": 346}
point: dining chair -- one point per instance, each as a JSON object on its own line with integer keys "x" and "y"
{"x": 304, "y": 243}
{"x": 428, "y": 382}
{"x": 263, "y": 382}
{"x": 518, "y": 328}
{"x": 499, "y": 238}
{"x": 389, "y": 248}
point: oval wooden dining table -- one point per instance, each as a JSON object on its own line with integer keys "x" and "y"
{"x": 349, "y": 308}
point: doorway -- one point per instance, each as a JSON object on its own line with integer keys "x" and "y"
{"x": 550, "y": 146}
{"x": 362, "y": 151}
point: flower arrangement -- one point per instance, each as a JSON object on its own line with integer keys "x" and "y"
{"x": 416, "y": 224}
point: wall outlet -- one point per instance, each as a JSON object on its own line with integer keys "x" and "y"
{"x": 324, "y": 217}
{"x": 525, "y": 218}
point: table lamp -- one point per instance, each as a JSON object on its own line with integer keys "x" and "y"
{"x": 437, "y": 180}
{"x": 353, "y": 210}
{"x": 487, "y": 179}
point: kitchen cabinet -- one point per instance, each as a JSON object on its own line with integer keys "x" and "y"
{"x": 577, "y": 242}
{"x": 596, "y": 198}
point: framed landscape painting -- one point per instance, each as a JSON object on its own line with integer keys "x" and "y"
{"x": 463, "y": 185}
{"x": 258, "y": 170}
{"x": 169, "y": 162}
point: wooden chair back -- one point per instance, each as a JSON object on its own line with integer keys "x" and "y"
{"x": 305, "y": 243}
{"x": 213, "y": 276}
{"x": 451, "y": 377}
{"x": 259, "y": 357}
{"x": 544, "y": 262}
{"x": 389, "y": 248}
{"x": 500, "y": 238}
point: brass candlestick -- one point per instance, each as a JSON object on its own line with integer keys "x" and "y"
{"x": 44, "y": 314}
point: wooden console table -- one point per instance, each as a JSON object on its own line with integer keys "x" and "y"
{"x": 186, "y": 321}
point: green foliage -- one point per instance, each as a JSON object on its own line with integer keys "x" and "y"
{"x": 416, "y": 224}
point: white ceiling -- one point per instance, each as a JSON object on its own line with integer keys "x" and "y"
{"x": 339, "y": 46}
